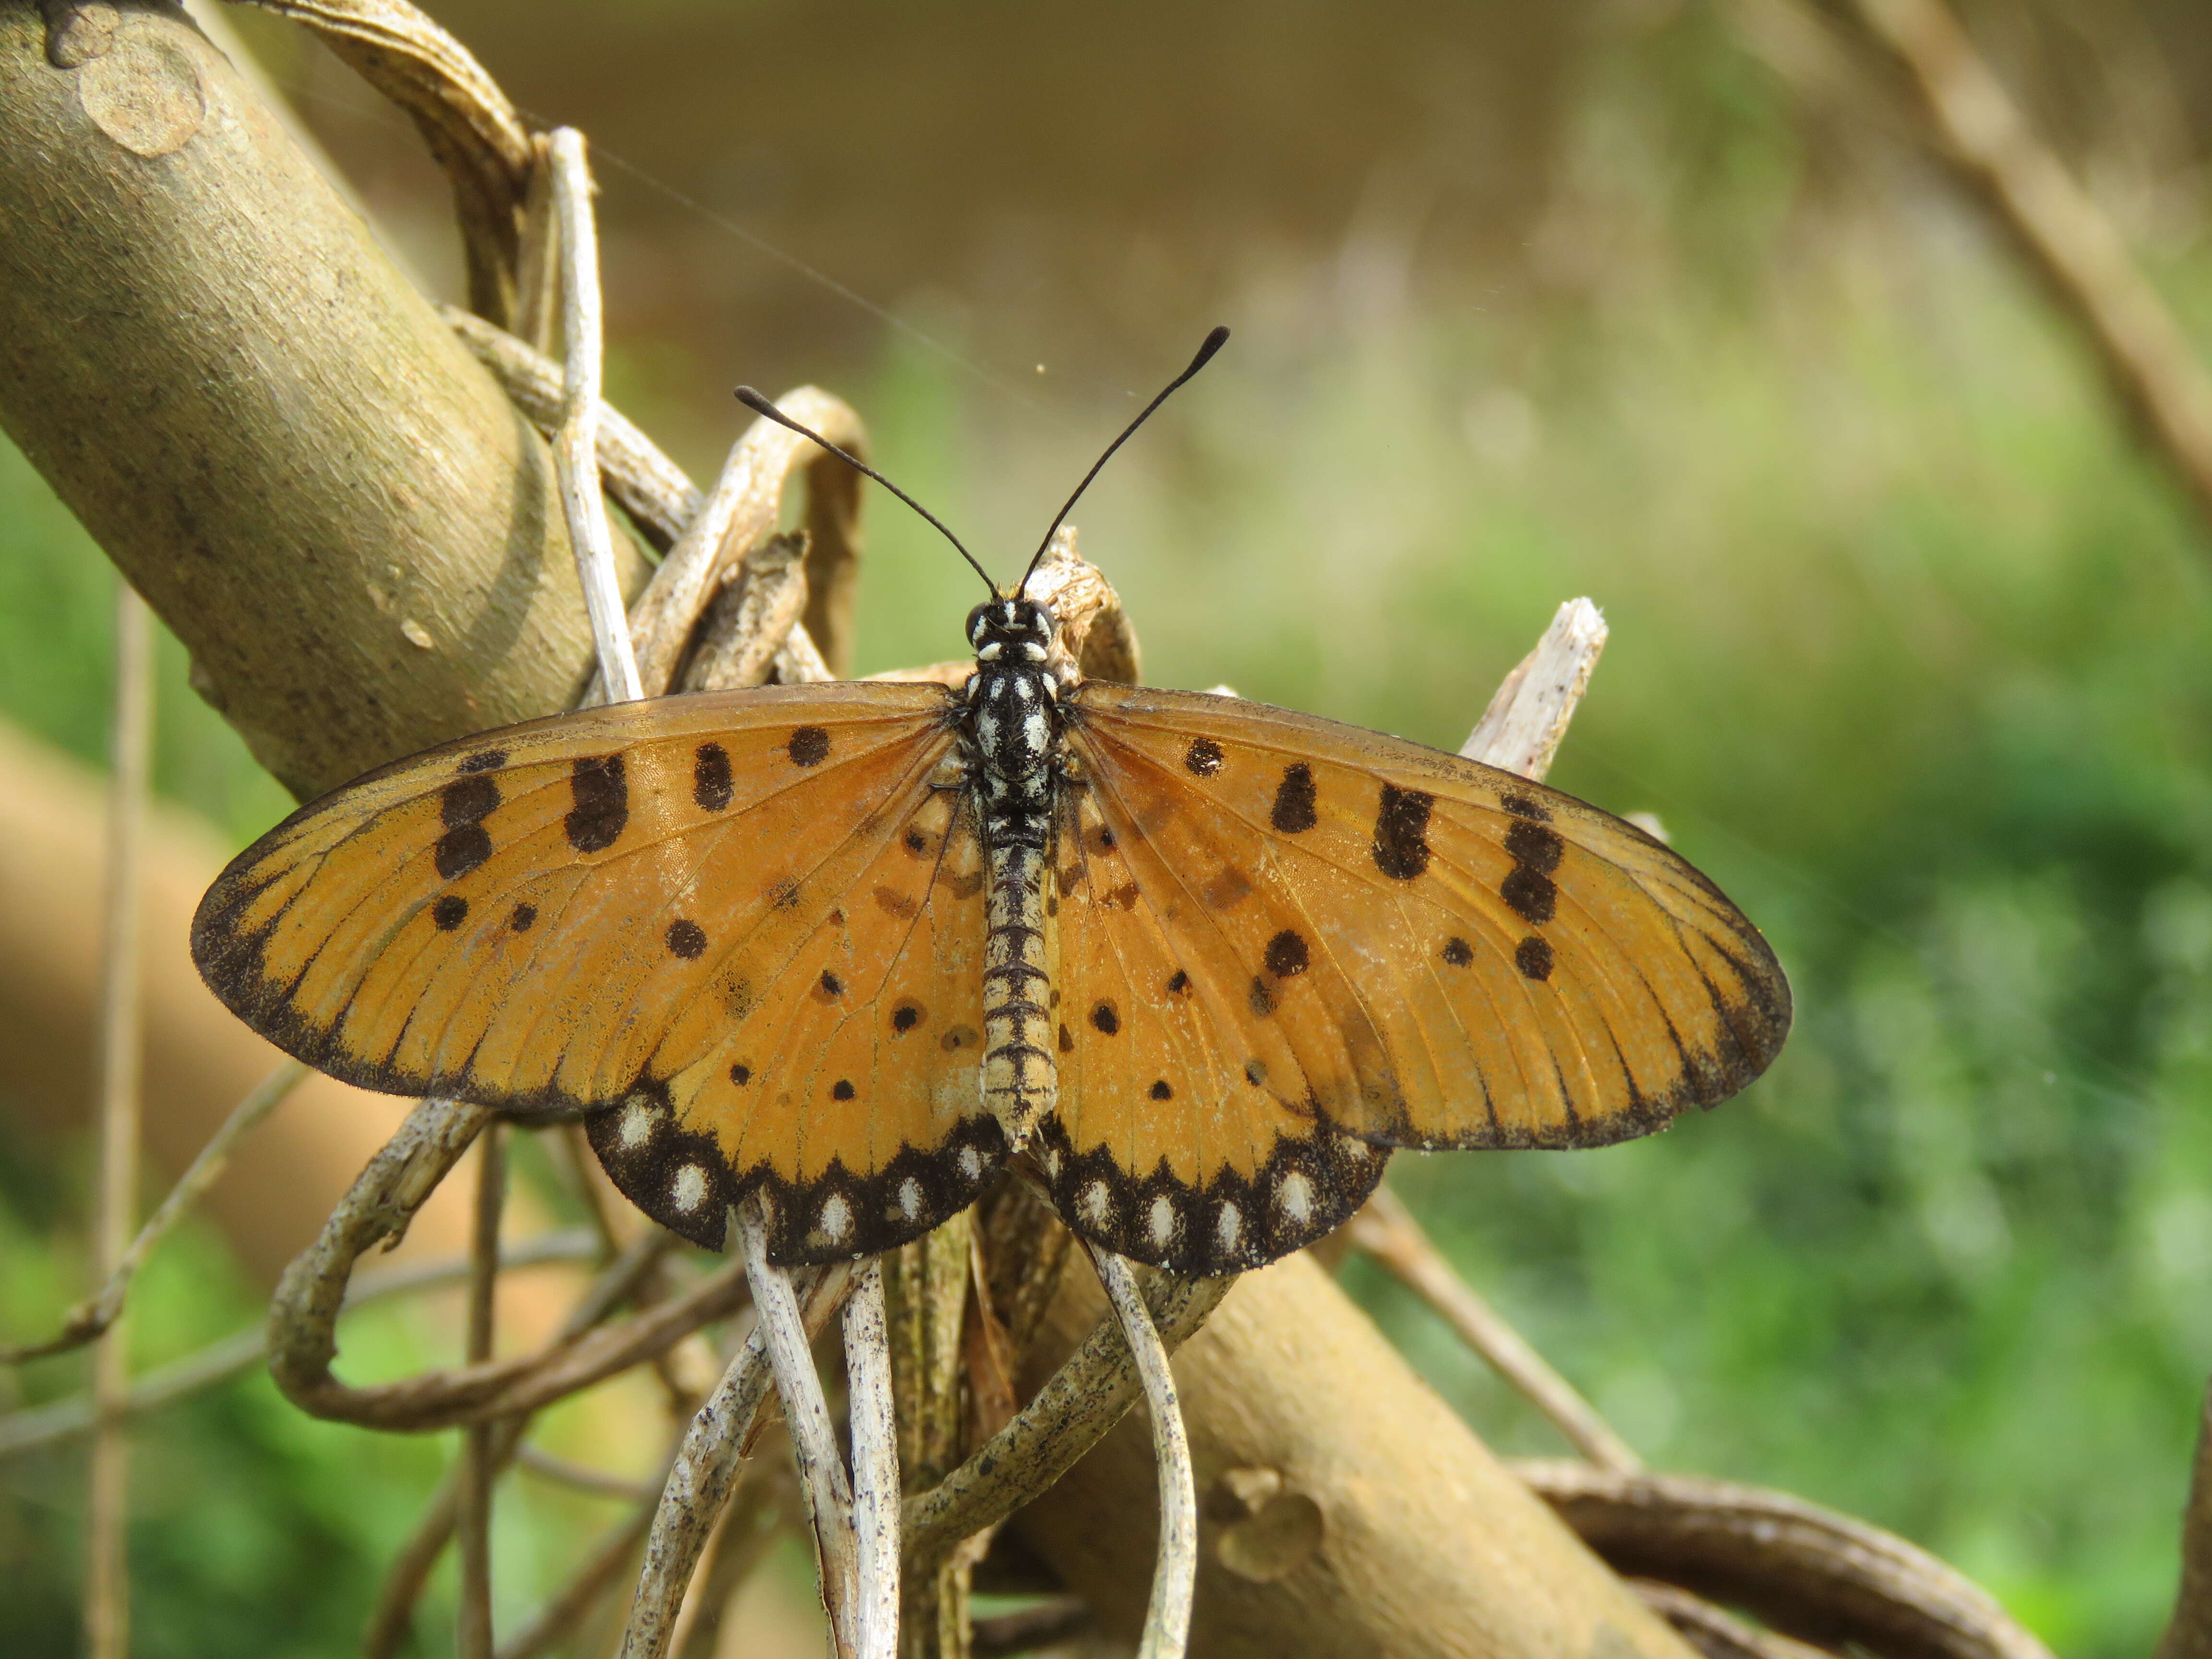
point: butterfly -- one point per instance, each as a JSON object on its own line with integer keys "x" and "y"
{"x": 844, "y": 949}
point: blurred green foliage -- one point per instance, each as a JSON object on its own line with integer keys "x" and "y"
{"x": 1909, "y": 654}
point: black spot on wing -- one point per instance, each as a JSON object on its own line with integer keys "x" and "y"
{"x": 809, "y": 746}
{"x": 711, "y": 785}
{"x": 1203, "y": 759}
{"x": 463, "y": 805}
{"x": 1524, "y": 806}
{"x": 687, "y": 940}
{"x": 449, "y": 912}
{"x": 841, "y": 1089}
{"x": 523, "y": 918}
{"x": 484, "y": 760}
{"x": 1287, "y": 954}
{"x": 1261, "y": 999}
{"x": 600, "y": 790}
{"x": 1160, "y": 1090}
{"x": 1533, "y": 956}
{"x": 741, "y": 1074}
{"x": 1104, "y": 1020}
{"x": 1533, "y": 895}
{"x": 461, "y": 850}
{"x": 1534, "y": 845}
{"x": 1179, "y": 983}
{"x": 1293, "y": 811}
{"x": 1401, "y": 828}
{"x": 906, "y": 1017}
{"x": 1457, "y": 952}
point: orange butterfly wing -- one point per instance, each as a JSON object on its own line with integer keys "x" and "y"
{"x": 741, "y": 931}
{"x": 1312, "y": 932}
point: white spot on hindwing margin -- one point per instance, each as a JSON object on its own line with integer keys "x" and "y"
{"x": 836, "y": 1217}
{"x": 909, "y": 1198}
{"x": 1226, "y": 1226}
{"x": 639, "y": 1121}
{"x": 1296, "y": 1195}
{"x": 971, "y": 1163}
{"x": 1163, "y": 1219}
{"x": 689, "y": 1190}
{"x": 1095, "y": 1205}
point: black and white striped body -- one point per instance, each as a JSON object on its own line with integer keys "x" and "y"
{"x": 1010, "y": 742}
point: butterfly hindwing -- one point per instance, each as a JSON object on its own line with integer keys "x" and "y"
{"x": 613, "y": 911}
{"x": 1181, "y": 1134}
{"x": 1439, "y": 953}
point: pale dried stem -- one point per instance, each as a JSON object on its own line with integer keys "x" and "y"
{"x": 301, "y": 1345}
{"x": 1522, "y": 729}
{"x": 96, "y": 1313}
{"x": 748, "y": 628}
{"x": 749, "y": 1525}
{"x": 481, "y": 1450}
{"x": 706, "y": 1468}
{"x": 2146, "y": 354}
{"x": 822, "y": 1478}
{"x": 1386, "y": 1231}
{"x": 874, "y": 1432}
{"x": 740, "y": 514}
{"x": 651, "y": 488}
{"x": 1067, "y": 1417}
{"x": 64, "y": 1419}
{"x": 1807, "y": 1571}
{"x": 576, "y": 446}
{"x": 107, "y": 1582}
{"x": 1175, "y": 1575}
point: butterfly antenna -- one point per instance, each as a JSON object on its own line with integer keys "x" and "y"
{"x": 1214, "y": 342}
{"x": 757, "y": 402}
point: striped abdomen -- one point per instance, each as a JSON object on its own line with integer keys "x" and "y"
{"x": 1020, "y": 1081}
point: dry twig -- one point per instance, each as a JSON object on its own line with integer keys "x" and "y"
{"x": 480, "y": 1449}
{"x": 107, "y": 1581}
{"x": 1386, "y": 1230}
{"x": 40, "y": 1426}
{"x": 706, "y": 1467}
{"x": 576, "y": 446}
{"x": 874, "y": 1435}
{"x": 1807, "y": 1571}
{"x": 1067, "y": 1417}
{"x": 1167, "y": 1620}
{"x": 97, "y": 1312}
{"x": 2146, "y": 354}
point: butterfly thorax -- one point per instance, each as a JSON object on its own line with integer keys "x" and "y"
{"x": 1010, "y": 731}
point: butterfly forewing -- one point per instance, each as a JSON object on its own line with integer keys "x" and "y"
{"x": 615, "y": 912}
{"x": 1455, "y": 956}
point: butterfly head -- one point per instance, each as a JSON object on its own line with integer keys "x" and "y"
{"x": 1010, "y": 629}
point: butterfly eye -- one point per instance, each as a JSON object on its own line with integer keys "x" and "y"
{"x": 977, "y": 621}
